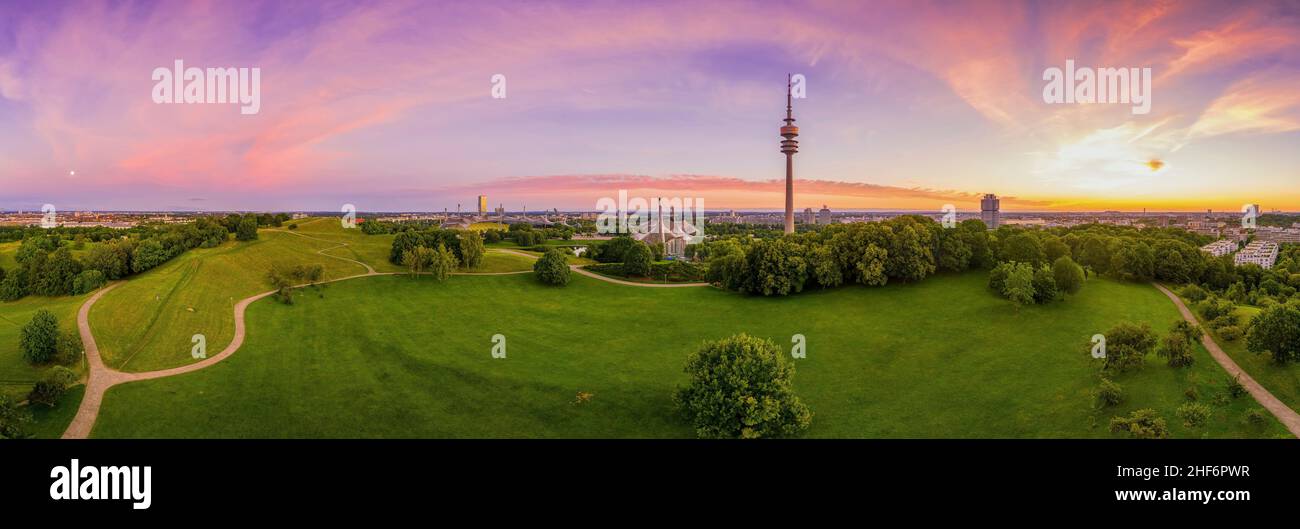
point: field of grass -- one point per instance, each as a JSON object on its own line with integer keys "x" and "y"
{"x": 1282, "y": 381}
{"x": 484, "y": 226}
{"x": 394, "y": 356}
{"x": 147, "y": 323}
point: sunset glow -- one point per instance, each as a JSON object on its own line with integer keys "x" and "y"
{"x": 389, "y": 105}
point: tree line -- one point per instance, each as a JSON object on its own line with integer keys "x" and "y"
{"x": 47, "y": 266}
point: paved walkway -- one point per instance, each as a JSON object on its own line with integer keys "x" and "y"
{"x": 100, "y": 377}
{"x": 1287, "y": 416}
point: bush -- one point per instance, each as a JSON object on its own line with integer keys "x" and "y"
{"x": 1234, "y": 387}
{"x": 1193, "y": 414}
{"x": 1141, "y": 424}
{"x": 552, "y": 268}
{"x": 1108, "y": 393}
{"x": 87, "y": 281}
{"x": 740, "y": 388}
{"x": 40, "y": 338}
{"x": 1127, "y": 346}
{"x": 1045, "y": 286}
{"x": 52, "y": 387}
{"x": 1176, "y": 351}
{"x": 13, "y": 419}
{"x": 293, "y": 226}
{"x": 1191, "y": 394}
{"x": 1256, "y": 417}
{"x": 1230, "y": 333}
{"x": 1193, "y": 293}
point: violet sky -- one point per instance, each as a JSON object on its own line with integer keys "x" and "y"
{"x": 387, "y": 105}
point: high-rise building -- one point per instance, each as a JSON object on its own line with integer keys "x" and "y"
{"x": 482, "y": 204}
{"x": 789, "y": 146}
{"x": 990, "y": 208}
{"x": 808, "y": 216}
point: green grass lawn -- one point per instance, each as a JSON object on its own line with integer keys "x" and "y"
{"x": 1282, "y": 381}
{"x": 400, "y": 357}
{"x": 148, "y": 322}
{"x": 49, "y": 423}
{"x": 13, "y": 316}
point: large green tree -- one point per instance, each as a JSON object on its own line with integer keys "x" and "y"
{"x": 636, "y": 260}
{"x": 1276, "y": 331}
{"x": 740, "y": 387}
{"x": 471, "y": 249}
{"x": 552, "y": 268}
{"x": 40, "y": 337}
{"x": 1068, "y": 275}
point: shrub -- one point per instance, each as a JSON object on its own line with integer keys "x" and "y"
{"x": 293, "y": 226}
{"x": 552, "y": 268}
{"x": 1256, "y": 417}
{"x": 51, "y": 388}
{"x": 1108, "y": 393}
{"x": 1234, "y": 387}
{"x": 1191, "y": 394}
{"x": 1193, "y": 414}
{"x": 740, "y": 388}
{"x": 1193, "y": 293}
{"x": 1230, "y": 333}
{"x": 13, "y": 419}
{"x": 1141, "y": 424}
{"x": 40, "y": 337}
{"x": 1176, "y": 351}
{"x": 1127, "y": 346}
{"x": 1044, "y": 286}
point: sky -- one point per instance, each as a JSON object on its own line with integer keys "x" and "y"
{"x": 389, "y": 106}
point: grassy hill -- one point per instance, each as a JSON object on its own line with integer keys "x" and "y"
{"x": 147, "y": 323}
{"x": 401, "y": 357}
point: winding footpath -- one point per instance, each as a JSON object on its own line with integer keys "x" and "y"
{"x": 1287, "y": 416}
{"x": 100, "y": 377}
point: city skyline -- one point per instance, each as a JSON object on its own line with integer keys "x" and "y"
{"x": 389, "y": 107}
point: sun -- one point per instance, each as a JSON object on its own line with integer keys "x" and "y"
{"x": 1155, "y": 165}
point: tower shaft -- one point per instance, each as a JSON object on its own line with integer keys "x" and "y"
{"x": 789, "y": 146}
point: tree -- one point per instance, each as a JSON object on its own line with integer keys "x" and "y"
{"x": 1023, "y": 248}
{"x": 1044, "y": 285}
{"x": 1193, "y": 414}
{"x": 87, "y": 281}
{"x": 740, "y": 388}
{"x": 552, "y": 268}
{"x": 14, "y": 286}
{"x": 775, "y": 267}
{"x": 1276, "y": 331}
{"x": 40, "y": 337}
{"x": 246, "y": 230}
{"x": 871, "y": 268}
{"x": 1054, "y": 248}
{"x": 1019, "y": 284}
{"x": 825, "y": 268}
{"x": 13, "y": 419}
{"x": 1127, "y": 346}
{"x": 636, "y": 261}
{"x": 148, "y": 254}
{"x": 52, "y": 386}
{"x": 61, "y": 270}
{"x": 1068, "y": 275}
{"x": 1176, "y": 350}
{"x": 69, "y": 348}
{"x": 442, "y": 263}
{"x": 417, "y": 259}
{"x": 909, "y": 256}
{"x": 471, "y": 249}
